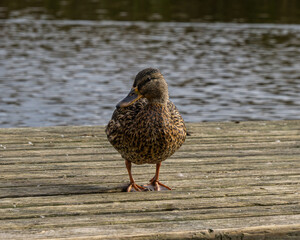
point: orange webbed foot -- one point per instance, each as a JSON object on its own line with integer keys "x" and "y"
{"x": 155, "y": 185}
{"x": 133, "y": 187}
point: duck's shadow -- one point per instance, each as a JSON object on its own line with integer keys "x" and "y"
{"x": 60, "y": 189}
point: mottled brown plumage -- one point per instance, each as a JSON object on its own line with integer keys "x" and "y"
{"x": 146, "y": 127}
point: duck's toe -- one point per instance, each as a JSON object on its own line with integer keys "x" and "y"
{"x": 155, "y": 185}
{"x": 133, "y": 187}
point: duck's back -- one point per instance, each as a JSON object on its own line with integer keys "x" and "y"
{"x": 144, "y": 133}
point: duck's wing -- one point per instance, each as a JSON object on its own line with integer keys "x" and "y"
{"x": 121, "y": 120}
{"x": 176, "y": 117}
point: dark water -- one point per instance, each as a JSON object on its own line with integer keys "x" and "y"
{"x": 73, "y": 72}
{"x": 250, "y": 11}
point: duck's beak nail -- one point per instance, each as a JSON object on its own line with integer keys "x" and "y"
{"x": 132, "y": 96}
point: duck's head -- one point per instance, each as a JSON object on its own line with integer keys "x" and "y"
{"x": 149, "y": 83}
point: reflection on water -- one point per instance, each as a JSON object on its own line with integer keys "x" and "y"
{"x": 250, "y": 11}
{"x": 74, "y": 72}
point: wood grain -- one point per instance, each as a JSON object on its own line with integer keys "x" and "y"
{"x": 230, "y": 181}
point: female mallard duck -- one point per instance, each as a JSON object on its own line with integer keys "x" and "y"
{"x": 146, "y": 127}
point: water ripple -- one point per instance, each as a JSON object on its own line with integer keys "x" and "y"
{"x": 74, "y": 72}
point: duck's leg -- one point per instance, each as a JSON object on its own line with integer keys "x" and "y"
{"x": 133, "y": 187}
{"x": 154, "y": 184}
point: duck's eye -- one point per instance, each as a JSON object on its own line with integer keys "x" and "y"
{"x": 148, "y": 80}
{"x": 144, "y": 82}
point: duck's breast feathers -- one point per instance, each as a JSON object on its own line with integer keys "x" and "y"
{"x": 123, "y": 118}
{"x": 146, "y": 133}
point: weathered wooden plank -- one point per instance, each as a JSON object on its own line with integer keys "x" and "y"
{"x": 100, "y": 187}
{"x": 32, "y": 142}
{"x": 273, "y": 201}
{"x": 85, "y": 220}
{"x": 90, "y": 198}
{"x": 274, "y": 128}
{"x": 202, "y": 229}
{"x": 292, "y": 150}
{"x": 96, "y": 175}
{"x": 118, "y": 175}
{"x": 223, "y": 144}
{"x": 184, "y": 163}
{"x": 230, "y": 180}
{"x": 91, "y": 177}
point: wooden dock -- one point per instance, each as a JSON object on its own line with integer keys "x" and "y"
{"x": 230, "y": 181}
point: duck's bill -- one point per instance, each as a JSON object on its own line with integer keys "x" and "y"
{"x": 132, "y": 97}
